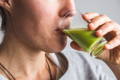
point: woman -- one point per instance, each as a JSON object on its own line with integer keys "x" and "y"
{"x": 33, "y": 30}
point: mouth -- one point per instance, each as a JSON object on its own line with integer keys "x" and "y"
{"x": 63, "y": 25}
{"x": 61, "y": 28}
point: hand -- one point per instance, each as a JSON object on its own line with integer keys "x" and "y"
{"x": 107, "y": 28}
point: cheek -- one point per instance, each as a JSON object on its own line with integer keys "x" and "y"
{"x": 44, "y": 8}
{"x": 37, "y": 8}
{"x": 37, "y": 23}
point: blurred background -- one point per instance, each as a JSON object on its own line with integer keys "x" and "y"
{"x": 108, "y": 7}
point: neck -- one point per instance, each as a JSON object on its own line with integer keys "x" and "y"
{"x": 16, "y": 57}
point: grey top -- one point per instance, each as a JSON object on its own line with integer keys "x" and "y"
{"x": 84, "y": 67}
{"x": 81, "y": 66}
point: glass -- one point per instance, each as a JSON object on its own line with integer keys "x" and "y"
{"x": 85, "y": 38}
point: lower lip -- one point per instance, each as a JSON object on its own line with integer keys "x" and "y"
{"x": 60, "y": 32}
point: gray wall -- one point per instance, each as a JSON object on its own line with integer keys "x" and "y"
{"x": 108, "y": 7}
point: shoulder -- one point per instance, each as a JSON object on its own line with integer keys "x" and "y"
{"x": 85, "y": 65}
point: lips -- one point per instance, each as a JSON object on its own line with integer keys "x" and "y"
{"x": 61, "y": 28}
{"x": 65, "y": 24}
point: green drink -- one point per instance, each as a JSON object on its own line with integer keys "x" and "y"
{"x": 87, "y": 40}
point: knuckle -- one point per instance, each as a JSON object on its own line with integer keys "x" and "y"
{"x": 116, "y": 27}
{"x": 109, "y": 23}
{"x": 96, "y": 20}
{"x": 118, "y": 38}
{"x": 101, "y": 18}
{"x": 103, "y": 15}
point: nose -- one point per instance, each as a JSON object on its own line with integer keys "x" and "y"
{"x": 68, "y": 9}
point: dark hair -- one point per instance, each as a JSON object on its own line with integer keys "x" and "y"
{"x": 3, "y": 13}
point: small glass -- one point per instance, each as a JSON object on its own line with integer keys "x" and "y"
{"x": 86, "y": 39}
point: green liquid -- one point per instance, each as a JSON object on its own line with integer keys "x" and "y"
{"x": 87, "y": 40}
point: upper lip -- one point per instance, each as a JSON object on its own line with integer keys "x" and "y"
{"x": 63, "y": 25}
{"x": 62, "y": 28}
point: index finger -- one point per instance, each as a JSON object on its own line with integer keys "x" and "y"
{"x": 88, "y": 16}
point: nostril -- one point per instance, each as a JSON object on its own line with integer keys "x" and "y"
{"x": 68, "y": 13}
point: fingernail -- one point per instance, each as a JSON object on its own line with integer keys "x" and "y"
{"x": 92, "y": 26}
{"x": 107, "y": 46}
{"x": 99, "y": 32}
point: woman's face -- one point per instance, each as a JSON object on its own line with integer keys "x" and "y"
{"x": 38, "y": 23}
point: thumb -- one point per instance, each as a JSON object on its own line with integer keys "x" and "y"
{"x": 75, "y": 46}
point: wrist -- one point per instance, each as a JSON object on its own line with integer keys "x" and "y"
{"x": 112, "y": 56}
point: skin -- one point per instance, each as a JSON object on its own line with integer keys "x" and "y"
{"x": 33, "y": 34}
{"x": 34, "y": 29}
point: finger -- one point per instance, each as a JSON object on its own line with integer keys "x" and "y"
{"x": 113, "y": 43}
{"x": 74, "y": 45}
{"x": 98, "y": 21}
{"x": 89, "y": 16}
{"x": 106, "y": 28}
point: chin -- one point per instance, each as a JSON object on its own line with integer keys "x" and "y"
{"x": 59, "y": 47}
